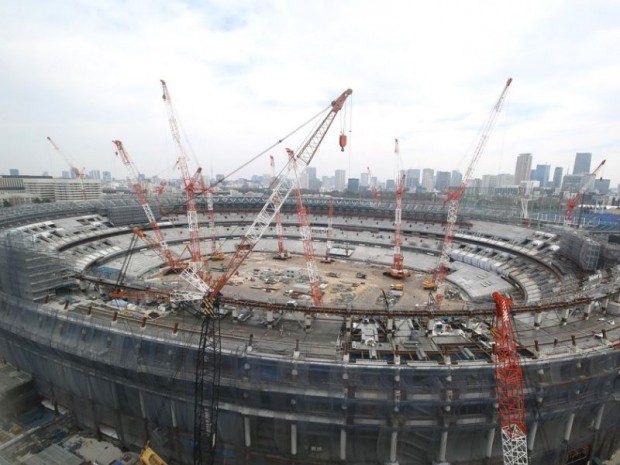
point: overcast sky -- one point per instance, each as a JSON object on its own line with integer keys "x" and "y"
{"x": 243, "y": 74}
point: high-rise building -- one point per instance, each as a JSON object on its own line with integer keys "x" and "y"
{"x": 94, "y": 174}
{"x": 390, "y": 185}
{"x": 541, "y": 174}
{"x": 107, "y": 176}
{"x": 428, "y": 181}
{"x": 505, "y": 180}
{"x": 557, "y": 177}
{"x": 523, "y": 167}
{"x": 582, "y": 163}
{"x": 456, "y": 178}
{"x": 412, "y": 181}
{"x": 353, "y": 185}
{"x": 442, "y": 180}
{"x": 341, "y": 176}
{"x": 14, "y": 172}
{"x": 364, "y": 179}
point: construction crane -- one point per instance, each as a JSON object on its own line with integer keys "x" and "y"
{"x": 373, "y": 188}
{"x": 525, "y": 214}
{"x": 160, "y": 245}
{"x": 454, "y": 202}
{"x": 282, "y": 252}
{"x": 573, "y": 201}
{"x": 509, "y": 379}
{"x": 306, "y": 238}
{"x": 191, "y": 183}
{"x": 208, "y": 362}
{"x": 80, "y": 174}
{"x": 398, "y": 270}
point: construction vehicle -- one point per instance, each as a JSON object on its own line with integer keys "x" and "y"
{"x": 454, "y": 202}
{"x": 397, "y": 287}
{"x": 429, "y": 285}
{"x": 149, "y": 457}
{"x": 509, "y": 379}
{"x": 398, "y": 270}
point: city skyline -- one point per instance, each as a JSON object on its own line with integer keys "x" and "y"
{"x": 243, "y": 76}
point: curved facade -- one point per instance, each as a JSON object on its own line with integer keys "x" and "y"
{"x": 311, "y": 388}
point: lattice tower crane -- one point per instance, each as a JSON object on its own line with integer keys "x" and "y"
{"x": 306, "y": 238}
{"x": 509, "y": 379}
{"x": 208, "y": 362}
{"x": 573, "y": 201}
{"x": 192, "y": 185}
{"x": 454, "y": 201}
{"x": 159, "y": 245}
{"x": 282, "y": 252}
{"x": 398, "y": 270}
{"x": 80, "y": 174}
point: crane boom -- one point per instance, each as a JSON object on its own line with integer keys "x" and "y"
{"x": 398, "y": 270}
{"x": 282, "y": 252}
{"x": 454, "y": 200}
{"x": 76, "y": 172}
{"x": 191, "y": 184}
{"x": 509, "y": 379}
{"x": 573, "y": 201}
{"x": 209, "y": 348}
{"x": 280, "y": 192}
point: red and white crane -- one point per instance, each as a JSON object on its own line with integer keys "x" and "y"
{"x": 282, "y": 252}
{"x": 454, "y": 201}
{"x": 208, "y": 366}
{"x": 191, "y": 183}
{"x": 373, "y": 188}
{"x": 509, "y": 380}
{"x": 398, "y": 270}
{"x": 573, "y": 201}
{"x": 80, "y": 174}
{"x": 329, "y": 233}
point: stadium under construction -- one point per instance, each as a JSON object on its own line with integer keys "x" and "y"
{"x": 373, "y": 376}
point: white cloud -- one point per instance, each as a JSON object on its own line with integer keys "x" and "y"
{"x": 242, "y": 74}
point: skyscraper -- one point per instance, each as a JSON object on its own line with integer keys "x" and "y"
{"x": 442, "y": 181}
{"x": 13, "y": 172}
{"x": 541, "y": 174}
{"x": 582, "y": 163}
{"x": 340, "y": 180}
{"x": 428, "y": 181}
{"x": 557, "y": 177}
{"x": 523, "y": 167}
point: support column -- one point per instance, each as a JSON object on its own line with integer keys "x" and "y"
{"x": 531, "y": 440}
{"x": 587, "y": 310}
{"x": 537, "y": 319}
{"x": 569, "y": 427}
{"x": 599, "y": 417}
{"x": 443, "y": 447}
{"x": 393, "y": 444}
{"x": 246, "y": 431}
{"x": 343, "y": 444}
{"x": 293, "y": 439}
{"x": 235, "y": 315}
{"x": 490, "y": 439}
{"x": 565, "y": 316}
{"x": 269, "y": 319}
{"x": 307, "y": 321}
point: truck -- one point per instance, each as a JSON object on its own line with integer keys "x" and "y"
{"x": 397, "y": 287}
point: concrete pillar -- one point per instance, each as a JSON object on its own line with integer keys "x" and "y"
{"x": 531, "y": 440}
{"x": 246, "y": 431}
{"x": 443, "y": 446}
{"x": 343, "y": 444}
{"x": 604, "y": 304}
{"x": 269, "y": 319}
{"x": 307, "y": 321}
{"x": 293, "y": 439}
{"x": 569, "y": 427}
{"x": 587, "y": 310}
{"x": 565, "y": 316}
{"x": 235, "y": 315}
{"x": 490, "y": 439}
{"x": 537, "y": 320}
{"x": 599, "y": 417}
{"x": 393, "y": 444}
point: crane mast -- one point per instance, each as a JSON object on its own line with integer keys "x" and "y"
{"x": 509, "y": 379}
{"x": 454, "y": 200}
{"x": 330, "y": 233}
{"x": 306, "y": 236}
{"x": 572, "y": 202}
{"x": 282, "y": 252}
{"x": 76, "y": 172}
{"x": 208, "y": 360}
{"x": 191, "y": 184}
{"x": 398, "y": 270}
